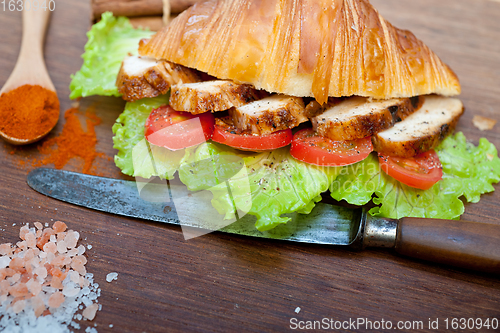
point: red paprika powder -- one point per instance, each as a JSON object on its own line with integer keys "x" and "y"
{"x": 73, "y": 141}
{"x": 28, "y": 112}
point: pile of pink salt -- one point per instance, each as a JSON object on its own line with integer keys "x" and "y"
{"x": 44, "y": 282}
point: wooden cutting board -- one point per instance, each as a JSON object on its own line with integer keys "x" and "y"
{"x": 227, "y": 283}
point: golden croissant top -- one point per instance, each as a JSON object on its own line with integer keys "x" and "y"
{"x": 313, "y": 48}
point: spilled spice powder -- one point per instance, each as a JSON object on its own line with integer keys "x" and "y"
{"x": 72, "y": 142}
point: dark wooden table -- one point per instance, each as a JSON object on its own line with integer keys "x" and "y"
{"x": 227, "y": 283}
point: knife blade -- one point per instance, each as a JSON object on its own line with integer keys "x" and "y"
{"x": 333, "y": 225}
{"x": 461, "y": 243}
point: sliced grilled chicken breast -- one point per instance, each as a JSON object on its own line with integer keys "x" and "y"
{"x": 359, "y": 117}
{"x": 421, "y": 131}
{"x": 210, "y": 96}
{"x": 270, "y": 114}
{"x": 141, "y": 77}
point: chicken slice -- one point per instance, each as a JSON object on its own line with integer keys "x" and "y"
{"x": 270, "y": 114}
{"x": 359, "y": 117}
{"x": 141, "y": 77}
{"x": 421, "y": 131}
{"x": 218, "y": 95}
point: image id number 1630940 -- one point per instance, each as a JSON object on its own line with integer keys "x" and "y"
{"x": 471, "y": 323}
{"x": 35, "y": 5}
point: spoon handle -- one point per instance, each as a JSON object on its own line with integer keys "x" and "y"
{"x": 34, "y": 27}
{"x": 30, "y": 66}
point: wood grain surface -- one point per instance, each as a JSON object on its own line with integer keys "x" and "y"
{"x": 225, "y": 283}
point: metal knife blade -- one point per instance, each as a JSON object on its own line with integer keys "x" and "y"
{"x": 326, "y": 224}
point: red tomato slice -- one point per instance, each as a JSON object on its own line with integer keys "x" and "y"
{"x": 252, "y": 142}
{"x": 176, "y": 130}
{"x": 311, "y": 148}
{"x": 421, "y": 171}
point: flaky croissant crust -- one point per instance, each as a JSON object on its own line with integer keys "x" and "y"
{"x": 315, "y": 48}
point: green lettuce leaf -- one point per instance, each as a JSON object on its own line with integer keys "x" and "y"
{"x": 266, "y": 185}
{"x": 468, "y": 171}
{"x": 136, "y": 157}
{"x": 109, "y": 41}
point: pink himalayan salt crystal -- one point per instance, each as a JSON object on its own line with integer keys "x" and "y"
{"x": 50, "y": 247}
{"x": 21, "y": 246}
{"x": 6, "y": 249}
{"x": 38, "y": 306}
{"x": 50, "y": 256}
{"x": 67, "y": 260}
{"x": 90, "y": 311}
{"x": 19, "y": 290}
{"x": 23, "y": 231}
{"x": 19, "y": 306}
{"x": 81, "y": 281}
{"x": 58, "y": 260}
{"x": 30, "y": 240}
{"x": 61, "y": 247}
{"x": 28, "y": 255}
{"x": 56, "y": 282}
{"x": 34, "y": 263}
{"x": 45, "y": 237}
{"x": 56, "y": 299}
{"x": 4, "y": 263}
{"x": 74, "y": 276}
{"x": 34, "y": 287}
{"x": 9, "y": 271}
{"x": 59, "y": 226}
{"x": 58, "y": 273}
{"x": 71, "y": 239}
{"x": 70, "y": 291}
{"x": 25, "y": 277}
{"x": 4, "y": 287}
{"x": 81, "y": 270}
{"x": 61, "y": 236}
{"x": 38, "y": 225}
{"x": 29, "y": 272}
{"x": 41, "y": 272}
{"x": 78, "y": 264}
{"x": 17, "y": 264}
{"x": 84, "y": 282}
{"x": 80, "y": 259}
{"x": 38, "y": 233}
{"x": 16, "y": 277}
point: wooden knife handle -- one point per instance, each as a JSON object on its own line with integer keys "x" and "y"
{"x": 464, "y": 244}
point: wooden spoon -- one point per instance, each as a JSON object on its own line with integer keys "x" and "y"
{"x": 30, "y": 67}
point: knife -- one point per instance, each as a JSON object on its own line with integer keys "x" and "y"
{"x": 470, "y": 245}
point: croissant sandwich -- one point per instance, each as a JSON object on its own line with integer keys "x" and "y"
{"x": 277, "y": 64}
{"x": 305, "y": 92}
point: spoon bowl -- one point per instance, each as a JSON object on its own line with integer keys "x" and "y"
{"x": 30, "y": 67}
